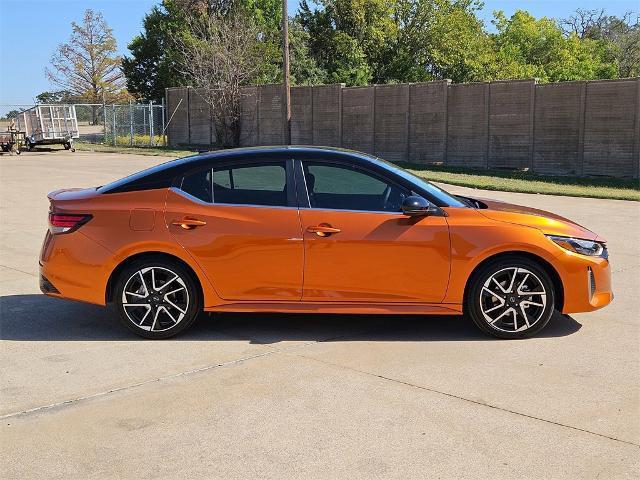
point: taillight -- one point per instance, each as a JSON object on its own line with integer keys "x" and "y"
{"x": 67, "y": 222}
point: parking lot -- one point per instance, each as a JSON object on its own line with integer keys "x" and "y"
{"x": 301, "y": 396}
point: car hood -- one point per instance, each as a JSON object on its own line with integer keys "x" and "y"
{"x": 549, "y": 223}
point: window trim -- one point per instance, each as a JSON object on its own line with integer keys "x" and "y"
{"x": 291, "y": 197}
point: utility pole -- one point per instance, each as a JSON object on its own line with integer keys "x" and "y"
{"x": 285, "y": 68}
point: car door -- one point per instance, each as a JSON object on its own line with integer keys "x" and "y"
{"x": 360, "y": 247}
{"x": 240, "y": 222}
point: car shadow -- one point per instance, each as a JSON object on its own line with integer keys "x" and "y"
{"x": 40, "y": 318}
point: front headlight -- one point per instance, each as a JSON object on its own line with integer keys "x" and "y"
{"x": 579, "y": 245}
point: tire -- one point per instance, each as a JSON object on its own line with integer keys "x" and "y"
{"x": 161, "y": 310}
{"x": 510, "y": 298}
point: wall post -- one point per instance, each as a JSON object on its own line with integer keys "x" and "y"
{"x": 189, "y": 115}
{"x": 130, "y": 123}
{"x": 113, "y": 123}
{"x": 532, "y": 120}
{"x": 487, "y": 107}
{"x": 445, "y": 133}
{"x": 581, "y": 125}
{"x": 636, "y": 143}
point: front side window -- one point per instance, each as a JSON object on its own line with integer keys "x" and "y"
{"x": 341, "y": 187}
{"x": 260, "y": 184}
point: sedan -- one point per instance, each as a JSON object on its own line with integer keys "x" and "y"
{"x": 313, "y": 230}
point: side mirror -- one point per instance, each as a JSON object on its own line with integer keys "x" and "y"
{"x": 415, "y": 206}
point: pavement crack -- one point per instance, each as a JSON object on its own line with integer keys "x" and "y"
{"x": 92, "y": 396}
{"x": 464, "y": 399}
{"x": 83, "y": 398}
{"x": 18, "y": 270}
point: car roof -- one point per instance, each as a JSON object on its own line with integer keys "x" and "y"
{"x": 157, "y": 176}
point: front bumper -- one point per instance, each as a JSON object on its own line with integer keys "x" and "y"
{"x": 586, "y": 282}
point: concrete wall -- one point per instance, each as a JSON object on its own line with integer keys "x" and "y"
{"x": 557, "y": 132}
{"x": 357, "y": 118}
{"x": 610, "y": 128}
{"x": 569, "y": 128}
{"x": 467, "y": 122}
{"x": 428, "y": 122}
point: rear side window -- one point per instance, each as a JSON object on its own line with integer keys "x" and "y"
{"x": 261, "y": 184}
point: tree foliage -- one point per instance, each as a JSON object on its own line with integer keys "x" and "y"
{"x": 619, "y": 35}
{"x": 381, "y": 41}
{"x": 151, "y": 66}
{"x": 358, "y": 42}
{"x": 527, "y": 47}
{"x": 153, "y": 62}
{"x": 87, "y": 66}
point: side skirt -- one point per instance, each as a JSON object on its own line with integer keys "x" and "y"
{"x": 375, "y": 309}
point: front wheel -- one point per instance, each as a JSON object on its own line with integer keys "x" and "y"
{"x": 156, "y": 299}
{"x": 511, "y": 298}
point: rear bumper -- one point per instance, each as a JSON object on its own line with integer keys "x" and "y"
{"x": 73, "y": 266}
{"x": 586, "y": 282}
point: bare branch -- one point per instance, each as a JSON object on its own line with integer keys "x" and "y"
{"x": 219, "y": 57}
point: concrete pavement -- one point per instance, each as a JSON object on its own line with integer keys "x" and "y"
{"x": 299, "y": 396}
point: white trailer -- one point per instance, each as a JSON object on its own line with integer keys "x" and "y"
{"x": 49, "y": 125}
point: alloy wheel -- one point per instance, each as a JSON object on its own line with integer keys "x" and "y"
{"x": 155, "y": 299}
{"x": 513, "y": 299}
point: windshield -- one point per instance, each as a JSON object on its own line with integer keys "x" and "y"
{"x": 441, "y": 195}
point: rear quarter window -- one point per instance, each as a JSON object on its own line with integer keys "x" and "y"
{"x": 198, "y": 185}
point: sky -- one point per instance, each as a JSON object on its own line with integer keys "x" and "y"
{"x": 30, "y": 30}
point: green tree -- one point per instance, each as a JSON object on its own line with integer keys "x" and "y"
{"x": 152, "y": 63}
{"x": 12, "y": 114}
{"x": 620, "y": 35}
{"x": 59, "y": 96}
{"x": 347, "y": 37}
{"x": 380, "y": 41}
{"x": 151, "y": 66}
{"x": 526, "y": 47}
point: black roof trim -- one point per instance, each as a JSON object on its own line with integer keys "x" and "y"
{"x": 161, "y": 176}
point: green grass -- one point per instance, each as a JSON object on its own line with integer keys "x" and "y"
{"x": 140, "y": 150}
{"x": 526, "y": 182}
{"x": 502, "y": 180}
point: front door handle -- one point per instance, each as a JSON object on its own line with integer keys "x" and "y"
{"x": 323, "y": 230}
{"x": 188, "y": 223}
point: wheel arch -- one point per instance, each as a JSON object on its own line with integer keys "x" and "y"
{"x": 150, "y": 255}
{"x": 541, "y": 262}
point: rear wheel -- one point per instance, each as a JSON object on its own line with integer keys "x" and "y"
{"x": 156, "y": 298}
{"x": 511, "y": 298}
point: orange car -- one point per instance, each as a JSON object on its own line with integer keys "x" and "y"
{"x": 313, "y": 230}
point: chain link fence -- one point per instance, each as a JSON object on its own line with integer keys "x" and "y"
{"x": 132, "y": 124}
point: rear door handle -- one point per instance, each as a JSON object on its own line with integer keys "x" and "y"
{"x": 323, "y": 230}
{"x": 188, "y": 223}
